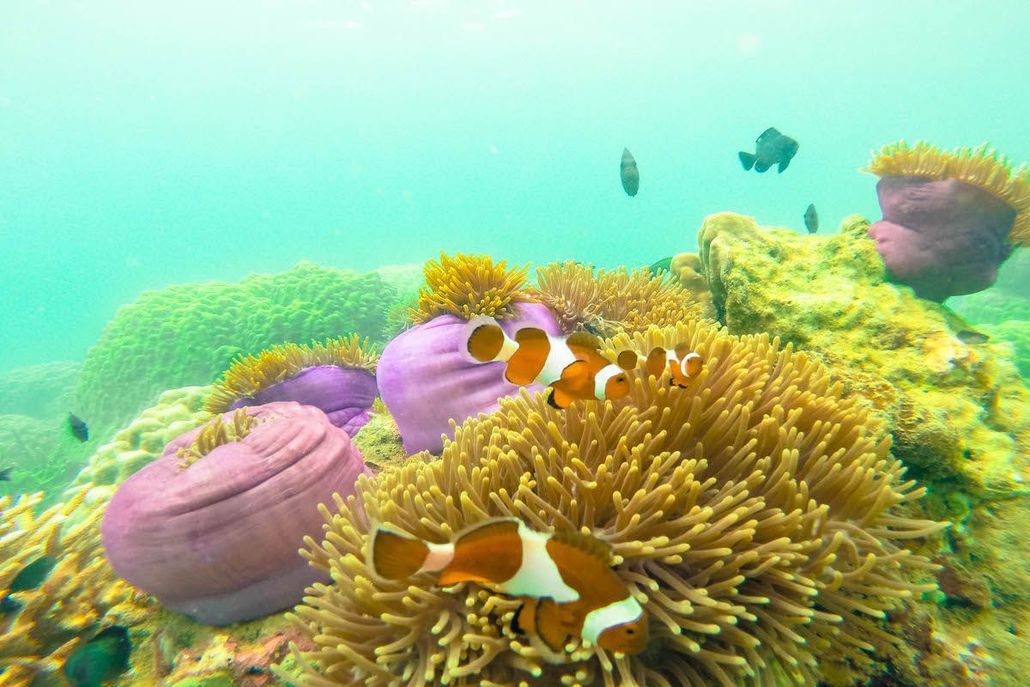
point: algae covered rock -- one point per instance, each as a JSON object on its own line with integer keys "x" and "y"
{"x": 188, "y": 334}
{"x": 144, "y": 439}
{"x": 955, "y": 410}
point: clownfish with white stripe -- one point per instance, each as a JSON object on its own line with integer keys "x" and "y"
{"x": 564, "y": 580}
{"x": 572, "y": 366}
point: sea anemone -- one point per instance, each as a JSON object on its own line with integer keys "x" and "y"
{"x": 217, "y": 540}
{"x": 424, "y": 378}
{"x": 336, "y": 376}
{"x": 470, "y": 285}
{"x": 982, "y": 167}
{"x": 949, "y": 219}
{"x": 607, "y": 302}
{"x": 755, "y": 514}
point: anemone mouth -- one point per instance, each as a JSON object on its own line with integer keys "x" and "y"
{"x": 250, "y": 374}
{"x": 468, "y": 286}
{"x": 605, "y": 303}
{"x": 980, "y": 166}
{"x": 215, "y": 433}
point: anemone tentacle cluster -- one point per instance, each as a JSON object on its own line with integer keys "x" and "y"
{"x": 470, "y": 285}
{"x": 251, "y": 374}
{"x": 607, "y": 302}
{"x": 755, "y": 514}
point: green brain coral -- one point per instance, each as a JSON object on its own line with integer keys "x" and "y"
{"x": 188, "y": 334}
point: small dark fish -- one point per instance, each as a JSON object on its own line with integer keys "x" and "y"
{"x": 101, "y": 659}
{"x": 629, "y": 174}
{"x": 79, "y": 429}
{"x": 9, "y": 606}
{"x": 811, "y": 219}
{"x": 33, "y": 574}
{"x": 968, "y": 336}
{"x": 5, "y": 474}
{"x": 771, "y": 148}
{"x": 665, "y": 264}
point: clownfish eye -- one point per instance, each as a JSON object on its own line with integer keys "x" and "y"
{"x": 630, "y": 630}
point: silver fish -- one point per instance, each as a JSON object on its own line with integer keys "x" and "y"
{"x": 629, "y": 174}
{"x": 811, "y": 219}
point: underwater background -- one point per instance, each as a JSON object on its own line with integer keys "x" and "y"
{"x": 292, "y": 207}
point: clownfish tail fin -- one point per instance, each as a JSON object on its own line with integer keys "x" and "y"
{"x": 395, "y": 556}
{"x": 486, "y": 342}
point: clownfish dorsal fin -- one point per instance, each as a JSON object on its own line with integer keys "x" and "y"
{"x": 585, "y": 542}
{"x": 583, "y": 340}
{"x": 681, "y": 350}
{"x": 488, "y": 528}
{"x": 656, "y": 361}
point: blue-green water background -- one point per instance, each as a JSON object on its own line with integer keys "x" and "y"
{"x": 150, "y": 143}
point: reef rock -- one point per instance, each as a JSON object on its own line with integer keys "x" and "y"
{"x": 426, "y": 381}
{"x": 955, "y": 410}
{"x": 218, "y": 540}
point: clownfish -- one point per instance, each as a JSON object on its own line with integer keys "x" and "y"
{"x": 565, "y": 580}
{"x": 683, "y": 365}
{"x": 571, "y": 365}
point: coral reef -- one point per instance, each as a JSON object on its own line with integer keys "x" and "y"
{"x": 79, "y": 596}
{"x": 336, "y": 377}
{"x": 188, "y": 334}
{"x": 956, "y": 410}
{"x": 959, "y": 415}
{"x": 424, "y": 378}
{"x": 757, "y": 514}
{"x": 216, "y": 537}
{"x": 42, "y": 452}
{"x": 41, "y": 391}
{"x": 949, "y": 219}
{"x": 143, "y": 440}
{"x": 605, "y": 303}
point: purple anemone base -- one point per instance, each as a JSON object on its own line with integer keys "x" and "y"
{"x": 218, "y": 540}
{"x": 344, "y": 394}
{"x": 943, "y": 238}
{"x": 426, "y": 381}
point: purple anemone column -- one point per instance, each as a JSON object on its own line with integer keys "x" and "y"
{"x": 425, "y": 380}
{"x": 218, "y": 540}
{"x": 942, "y": 238}
{"x": 345, "y": 394}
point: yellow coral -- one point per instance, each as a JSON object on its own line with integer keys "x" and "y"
{"x": 214, "y": 434}
{"x": 250, "y": 374}
{"x": 79, "y": 595}
{"x": 470, "y": 285}
{"x": 610, "y": 302}
{"x": 755, "y": 514}
{"x": 982, "y": 167}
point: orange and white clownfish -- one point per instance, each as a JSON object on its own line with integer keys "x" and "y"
{"x": 571, "y": 365}
{"x": 682, "y": 364}
{"x": 565, "y": 580}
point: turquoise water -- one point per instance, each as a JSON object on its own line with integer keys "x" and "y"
{"x": 145, "y": 144}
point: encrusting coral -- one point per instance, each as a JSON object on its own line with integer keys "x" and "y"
{"x": 79, "y": 595}
{"x": 756, "y": 515}
{"x": 187, "y": 334}
{"x": 249, "y": 375}
{"x": 470, "y": 285}
{"x": 607, "y": 302}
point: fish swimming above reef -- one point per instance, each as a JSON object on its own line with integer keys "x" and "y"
{"x": 771, "y": 148}
{"x": 33, "y": 574}
{"x": 811, "y": 219}
{"x": 629, "y": 174}
{"x": 565, "y": 579}
{"x": 663, "y": 265}
{"x": 5, "y": 474}
{"x": 970, "y": 336}
{"x": 101, "y": 659}
{"x": 78, "y": 428}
